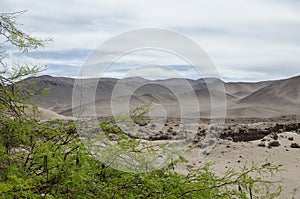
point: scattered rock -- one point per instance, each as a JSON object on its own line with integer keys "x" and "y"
{"x": 292, "y": 127}
{"x": 262, "y": 144}
{"x": 164, "y": 137}
{"x": 142, "y": 123}
{"x": 244, "y": 133}
{"x": 170, "y": 130}
{"x": 160, "y": 136}
{"x": 290, "y": 138}
{"x": 229, "y": 139}
{"x": 249, "y": 132}
{"x": 279, "y": 127}
{"x": 274, "y": 143}
{"x": 274, "y": 136}
{"x": 189, "y": 166}
{"x": 295, "y": 145}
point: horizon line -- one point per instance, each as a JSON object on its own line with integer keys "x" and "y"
{"x": 161, "y": 79}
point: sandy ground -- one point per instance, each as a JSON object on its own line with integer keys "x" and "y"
{"x": 47, "y": 115}
{"x": 228, "y": 154}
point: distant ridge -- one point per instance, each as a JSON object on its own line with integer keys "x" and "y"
{"x": 244, "y": 99}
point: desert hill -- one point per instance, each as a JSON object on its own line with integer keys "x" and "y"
{"x": 260, "y": 99}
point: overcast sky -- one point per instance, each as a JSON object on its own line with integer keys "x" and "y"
{"x": 247, "y": 40}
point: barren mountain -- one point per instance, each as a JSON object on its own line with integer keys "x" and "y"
{"x": 284, "y": 92}
{"x": 261, "y": 99}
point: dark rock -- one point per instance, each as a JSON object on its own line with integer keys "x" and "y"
{"x": 274, "y": 144}
{"x": 160, "y": 136}
{"x": 201, "y": 133}
{"x": 295, "y": 145}
{"x": 189, "y": 166}
{"x": 262, "y": 144}
{"x": 292, "y": 126}
{"x": 142, "y": 123}
{"x": 291, "y": 138}
{"x": 274, "y": 136}
{"x": 170, "y": 130}
{"x": 248, "y": 133}
{"x": 229, "y": 139}
{"x": 164, "y": 137}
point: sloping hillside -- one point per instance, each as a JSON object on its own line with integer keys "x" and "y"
{"x": 261, "y": 99}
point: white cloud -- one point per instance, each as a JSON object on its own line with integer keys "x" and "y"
{"x": 251, "y": 37}
{"x": 154, "y": 72}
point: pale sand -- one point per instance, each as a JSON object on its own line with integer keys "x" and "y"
{"x": 248, "y": 152}
{"x": 47, "y": 115}
{"x": 227, "y": 154}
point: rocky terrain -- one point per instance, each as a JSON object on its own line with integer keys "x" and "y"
{"x": 242, "y": 142}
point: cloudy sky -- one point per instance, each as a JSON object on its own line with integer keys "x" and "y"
{"x": 247, "y": 40}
